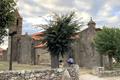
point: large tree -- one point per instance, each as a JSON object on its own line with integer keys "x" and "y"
{"x": 59, "y": 35}
{"x": 107, "y": 43}
{"x": 7, "y": 16}
{"x": 117, "y": 52}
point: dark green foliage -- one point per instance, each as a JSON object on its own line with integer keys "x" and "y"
{"x": 58, "y": 35}
{"x": 117, "y": 52}
{"x": 7, "y": 16}
{"x": 107, "y": 42}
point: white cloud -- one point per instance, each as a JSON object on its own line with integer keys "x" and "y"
{"x": 113, "y": 2}
{"x": 113, "y": 19}
{"x": 105, "y": 10}
{"x": 45, "y": 1}
{"x": 108, "y": 14}
{"x": 84, "y": 8}
{"x": 36, "y": 20}
{"x": 83, "y": 4}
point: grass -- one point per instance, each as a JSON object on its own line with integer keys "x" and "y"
{"x": 4, "y": 65}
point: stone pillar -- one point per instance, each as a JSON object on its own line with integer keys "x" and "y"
{"x": 25, "y": 50}
{"x": 9, "y": 48}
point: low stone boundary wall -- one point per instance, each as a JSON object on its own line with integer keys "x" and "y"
{"x": 49, "y": 74}
{"x": 101, "y": 72}
{"x": 110, "y": 73}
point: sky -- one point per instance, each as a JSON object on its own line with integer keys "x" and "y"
{"x": 103, "y": 12}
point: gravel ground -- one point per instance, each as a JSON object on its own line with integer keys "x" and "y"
{"x": 92, "y": 77}
{"x": 85, "y": 74}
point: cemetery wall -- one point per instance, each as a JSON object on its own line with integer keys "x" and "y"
{"x": 101, "y": 72}
{"x": 48, "y": 74}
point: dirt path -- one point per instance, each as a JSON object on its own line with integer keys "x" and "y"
{"x": 85, "y": 74}
{"x": 92, "y": 77}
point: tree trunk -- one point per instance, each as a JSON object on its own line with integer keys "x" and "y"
{"x": 33, "y": 55}
{"x": 101, "y": 60}
{"x": 54, "y": 61}
{"x": 110, "y": 61}
{"x": 11, "y": 55}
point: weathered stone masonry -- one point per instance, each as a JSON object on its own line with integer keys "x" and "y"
{"x": 49, "y": 74}
{"x": 84, "y": 49}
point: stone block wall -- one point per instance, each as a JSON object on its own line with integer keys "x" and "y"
{"x": 49, "y": 74}
{"x": 101, "y": 72}
{"x": 25, "y": 50}
{"x": 30, "y": 75}
{"x": 3, "y": 57}
{"x": 107, "y": 73}
{"x": 84, "y": 49}
{"x": 42, "y": 56}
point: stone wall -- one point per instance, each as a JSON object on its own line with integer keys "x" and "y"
{"x": 42, "y": 56}
{"x": 49, "y": 74}
{"x": 84, "y": 50}
{"x": 3, "y": 57}
{"x": 27, "y": 54}
{"x": 101, "y": 72}
{"x": 25, "y": 50}
{"x": 109, "y": 73}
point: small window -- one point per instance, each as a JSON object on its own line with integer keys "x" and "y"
{"x": 17, "y": 22}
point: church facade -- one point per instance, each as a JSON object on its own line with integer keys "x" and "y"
{"x": 84, "y": 50}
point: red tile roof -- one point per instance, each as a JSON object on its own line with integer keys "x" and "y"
{"x": 41, "y": 45}
{"x": 38, "y": 36}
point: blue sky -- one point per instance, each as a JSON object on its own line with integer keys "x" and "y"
{"x": 104, "y": 12}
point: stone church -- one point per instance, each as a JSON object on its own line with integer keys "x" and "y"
{"x": 27, "y": 49}
{"x": 84, "y": 50}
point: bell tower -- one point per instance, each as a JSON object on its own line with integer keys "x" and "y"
{"x": 91, "y": 23}
{"x": 16, "y": 27}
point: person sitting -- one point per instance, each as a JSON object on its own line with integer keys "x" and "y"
{"x": 70, "y": 61}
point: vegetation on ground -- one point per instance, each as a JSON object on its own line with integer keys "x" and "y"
{"x": 4, "y": 66}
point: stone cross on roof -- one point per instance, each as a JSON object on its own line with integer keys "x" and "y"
{"x": 91, "y": 21}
